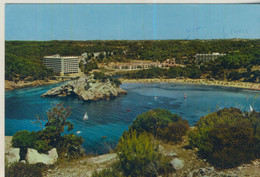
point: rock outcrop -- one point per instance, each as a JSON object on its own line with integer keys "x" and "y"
{"x": 87, "y": 88}
{"x": 33, "y": 157}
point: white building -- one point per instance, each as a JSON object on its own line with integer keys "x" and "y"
{"x": 62, "y": 64}
{"x": 207, "y": 57}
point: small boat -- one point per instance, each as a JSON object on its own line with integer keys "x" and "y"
{"x": 155, "y": 97}
{"x": 85, "y": 116}
{"x": 128, "y": 110}
{"x": 78, "y": 132}
{"x": 185, "y": 95}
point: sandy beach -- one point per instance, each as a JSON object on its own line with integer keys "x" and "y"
{"x": 245, "y": 85}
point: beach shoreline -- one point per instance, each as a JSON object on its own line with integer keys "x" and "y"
{"x": 10, "y": 85}
{"x": 244, "y": 85}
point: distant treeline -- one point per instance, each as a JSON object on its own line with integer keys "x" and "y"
{"x": 226, "y": 67}
{"x": 20, "y": 54}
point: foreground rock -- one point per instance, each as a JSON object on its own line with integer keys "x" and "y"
{"x": 87, "y": 88}
{"x": 177, "y": 164}
{"x": 11, "y": 154}
{"x": 33, "y": 157}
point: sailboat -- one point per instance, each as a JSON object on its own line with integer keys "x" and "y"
{"x": 250, "y": 108}
{"x": 85, "y": 116}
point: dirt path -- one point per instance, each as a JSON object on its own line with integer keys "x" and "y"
{"x": 82, "y": 167}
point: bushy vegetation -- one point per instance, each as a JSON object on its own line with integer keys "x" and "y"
{"x": 139, "y": 156}
{"x": 89, "y": 66}
{"x": 161, "y": 124}
{"x": 227, "y": 67}
{"x": 19, "y": 169}
{"x": 104, "y": 78}
{"x": 20, "y": 68}
{"x": 228, "y": 137}
{"x": 68, "y": 145}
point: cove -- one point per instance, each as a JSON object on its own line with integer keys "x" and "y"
{"x": 111, "y": 117}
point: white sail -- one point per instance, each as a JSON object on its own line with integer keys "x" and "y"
{"x": 85, "y": 116}
{"x": 250, "y": 108}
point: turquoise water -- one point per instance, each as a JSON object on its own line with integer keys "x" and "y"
{"x": 111, "y": 118}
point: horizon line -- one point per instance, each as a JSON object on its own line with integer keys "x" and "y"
{"x": 137, "y": 39}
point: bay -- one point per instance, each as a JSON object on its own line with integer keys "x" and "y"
{"x": 111, "y": 117}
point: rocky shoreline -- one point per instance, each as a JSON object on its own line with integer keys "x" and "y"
{"x": 10, "y": 85}
{"x": 87, "y": 88}
{"x": 245, "y": 85}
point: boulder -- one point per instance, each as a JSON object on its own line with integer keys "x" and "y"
{"x": 33, "y": 156}
{"x": 12, "y": 155}
{"x": 177, "y": 164}
{"x": 87, "y": 88}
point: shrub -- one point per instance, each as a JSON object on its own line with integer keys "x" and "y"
{"x": 227, "y": 137}
{"x": 104, "y": 78}
{"x": 116, "y": 82}
{"x": 100, "y": 76}
{"x": 139, "y": 156}
{"x": 108, "y": 172}
{"x": 152, "y": 120}
{"x": 162, "y": 124}
{"x": 50, "y": 136}
{"x": 69, "y": 146}
{"x": 19, "y": 169}
{"x": 174, "y": 132}
{"x": 41, "y": 146}
{"x": 24, "y": 139}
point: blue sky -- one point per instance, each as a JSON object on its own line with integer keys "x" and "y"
{"x": 131, "y": 21}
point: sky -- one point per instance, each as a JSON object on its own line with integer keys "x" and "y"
{"x": 43, "y": 22}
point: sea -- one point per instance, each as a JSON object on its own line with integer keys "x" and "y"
{"x": 108, "y": 119}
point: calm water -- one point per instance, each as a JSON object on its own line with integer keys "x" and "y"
{"x": 111, "y": 118}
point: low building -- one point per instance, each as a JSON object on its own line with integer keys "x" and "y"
{"x": 207, "y": 57}
{"x": 136, "y": 65}
{"x": 169, "y": 63}
{"x": 62, "y": 64}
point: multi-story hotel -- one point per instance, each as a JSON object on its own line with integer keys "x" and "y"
{"x": 207, "y": 57}
{"x": 62, "y": 64}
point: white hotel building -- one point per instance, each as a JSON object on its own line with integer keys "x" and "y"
{"x": 208, "y": 57}
{"x": 62, "y": 64}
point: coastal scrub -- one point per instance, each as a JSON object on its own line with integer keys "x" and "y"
{"x": 228, "y": 137}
